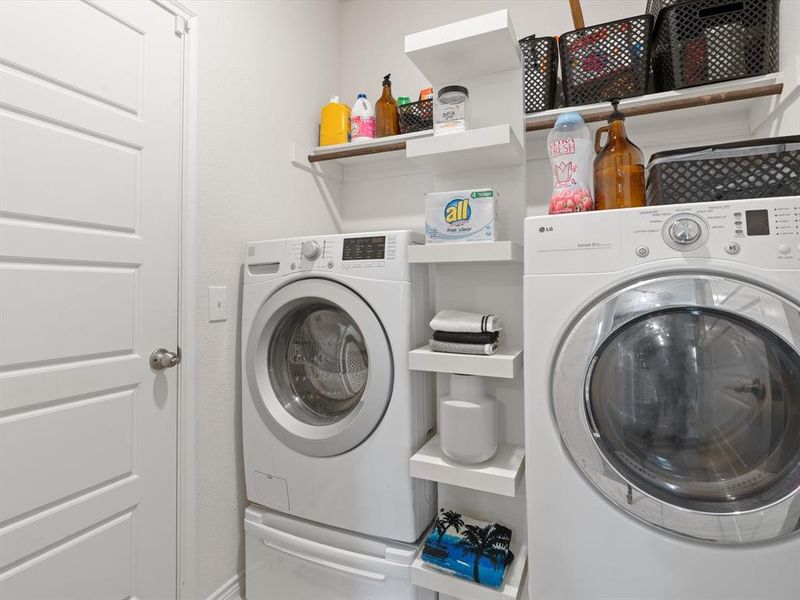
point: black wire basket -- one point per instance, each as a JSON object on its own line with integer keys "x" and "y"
{"x": 654, "y": 7}
{"x": 706, "y": 41}
{"x": 766, "y": 168}
{"x": 606, "y": 61}
{"x": 416, "y": 116}
{"x": 540, "y": 72}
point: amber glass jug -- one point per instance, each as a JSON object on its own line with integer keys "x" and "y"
{"x": 386, "y": 118}
{"x": 618, "y": 167}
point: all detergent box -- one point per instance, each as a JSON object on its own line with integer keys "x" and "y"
{"x": 461, "y": 216}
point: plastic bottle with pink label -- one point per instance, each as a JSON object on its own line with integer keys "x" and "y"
{"x": 362, "y": 120}
{"x": 569, "y": 145}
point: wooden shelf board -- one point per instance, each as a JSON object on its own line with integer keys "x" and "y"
{"x": 425, "y": 576}
{"x": 505, "y": 364}
{"x": 472, "y": 252}
{"x": 500, "y": 474}
{"x": 352, "y": 152}
{"x": 705, "y": 95}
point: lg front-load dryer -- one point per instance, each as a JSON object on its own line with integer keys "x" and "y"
{"x": 331, "y": 413}
{"x": 662, "y": 402}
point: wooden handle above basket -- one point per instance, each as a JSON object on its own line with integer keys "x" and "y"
{"x": 577, "y": 14}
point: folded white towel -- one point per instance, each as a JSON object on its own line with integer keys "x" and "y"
{"x": 459, "y": 348}
{"x": 464, "y": 322}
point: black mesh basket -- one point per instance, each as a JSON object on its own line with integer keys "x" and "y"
{"x": 606, "y": 61}
{"x": 765, "y": 168}
{"x": 416, "y": 116}
{"x": 705, "y": 41}
{"x": 540, "y": 70}
{"x": 654, "y": 7}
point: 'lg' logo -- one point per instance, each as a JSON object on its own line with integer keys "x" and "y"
{"x": 543, "y": 229}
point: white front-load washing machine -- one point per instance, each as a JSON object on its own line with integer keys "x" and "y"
{"x": 662, "y": 402}
{"x": 331, "y": 413}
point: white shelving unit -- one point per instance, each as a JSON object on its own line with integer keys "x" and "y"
{"x": 474, "y": 149}
{"x": 429, "y": 578}
{"x": 499, "y": 475}
{"x": 506, "y": 364}
{"x": 475, "y": 252}
{"x": 470, "y": 48}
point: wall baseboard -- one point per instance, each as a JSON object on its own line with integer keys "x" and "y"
{"x": 230, "y": 590}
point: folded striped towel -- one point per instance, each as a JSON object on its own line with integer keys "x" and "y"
{"x": 457, "y": 348}
{"x": 464, "y": 322}
{"x": 489, "y": 337}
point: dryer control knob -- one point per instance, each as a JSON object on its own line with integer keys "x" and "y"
{"x": 311, "y": 250}
{"x": 685, "y": 231}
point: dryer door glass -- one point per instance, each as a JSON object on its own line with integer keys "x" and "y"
{"x": 678, "y": 397}
{"x": 698, "y": 407}
{"x": 318, "y": 363}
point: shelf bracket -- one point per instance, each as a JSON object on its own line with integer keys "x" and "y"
{"x": 328, "y": 180}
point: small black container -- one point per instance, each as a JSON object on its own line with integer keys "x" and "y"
{"x": 765, "y": 168}
{"x": 706, "y": 41}
{"x": 540, "y": 71}
{"x": 606, "y": 61}
{"x": 416, "y": 116}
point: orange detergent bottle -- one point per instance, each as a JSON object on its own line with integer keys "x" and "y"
{"x": 334, "y": 123}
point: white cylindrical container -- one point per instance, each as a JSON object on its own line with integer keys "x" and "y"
{"x": 451, "y": 110}
{"x": 468, "y": 420}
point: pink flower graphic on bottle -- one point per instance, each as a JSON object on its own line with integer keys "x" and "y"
{"x": 564, "y": 171}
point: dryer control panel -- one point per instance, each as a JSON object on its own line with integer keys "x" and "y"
{"x": 761, "y": 232}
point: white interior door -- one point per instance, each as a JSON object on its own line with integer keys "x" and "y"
{"x": 90, "y": 166}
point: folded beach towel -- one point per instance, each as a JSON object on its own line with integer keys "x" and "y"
{"x": 468, "y": 548}
{"x": 490, "y": 337}
{"x": 464, "y": 322}
{"x": 457, "y": 348}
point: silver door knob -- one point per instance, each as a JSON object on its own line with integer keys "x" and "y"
{"x": 310, "y": 250}
{"x": 164, "y": 359}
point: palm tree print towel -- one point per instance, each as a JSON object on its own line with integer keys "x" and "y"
{"x": 468, "y": 548}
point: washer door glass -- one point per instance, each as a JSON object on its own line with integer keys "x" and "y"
{"x": 318, "y": 363}
{"x": 319, "y": 367}
{"x": 698, "y": 407}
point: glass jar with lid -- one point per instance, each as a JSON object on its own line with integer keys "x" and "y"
{"x": 451, "y": 111}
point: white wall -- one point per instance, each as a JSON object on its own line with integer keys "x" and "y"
{"x": 266, "y": 68}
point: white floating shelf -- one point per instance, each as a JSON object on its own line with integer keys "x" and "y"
{"x": 423, "y": 575}
{"x": 475, "y": 149}
{"x": 498, "y": 475}
{"x": 470, "y": 48}
{"x": 505, "y": 364}
{"x": 472, "y": 252}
